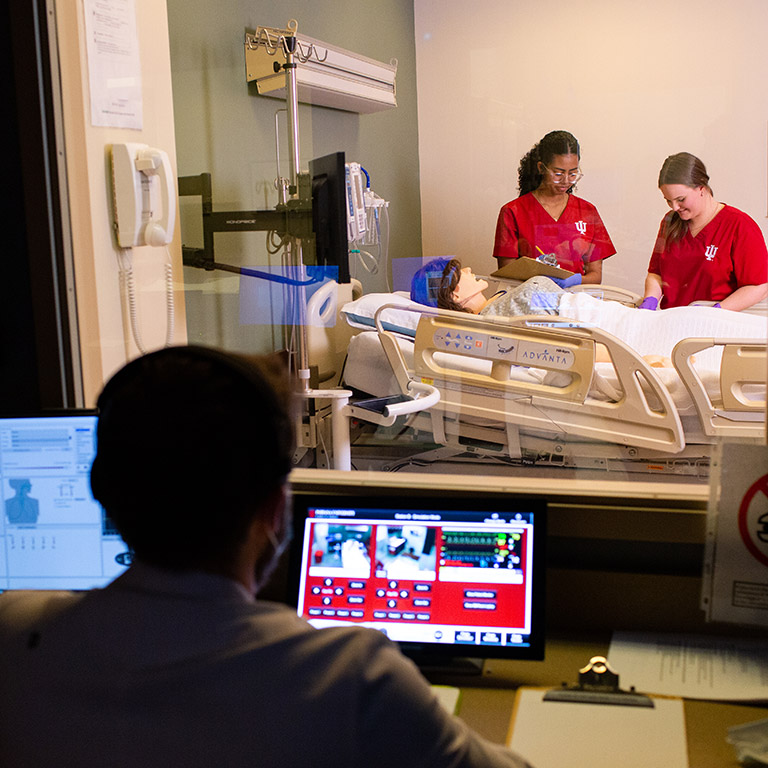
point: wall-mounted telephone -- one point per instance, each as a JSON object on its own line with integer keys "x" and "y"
{"x": 143, "y": 187}
{"x": 144, "y": 204}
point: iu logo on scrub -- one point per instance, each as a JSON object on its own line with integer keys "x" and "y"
{"x": 581, "y": 226}
{"x": 710, "y": 252}
{"x": 753, "y": 520}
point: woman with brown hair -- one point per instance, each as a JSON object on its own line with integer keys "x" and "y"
{"x": 705, "y": 250}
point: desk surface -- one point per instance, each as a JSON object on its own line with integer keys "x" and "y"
{"x": 488, "y": 709}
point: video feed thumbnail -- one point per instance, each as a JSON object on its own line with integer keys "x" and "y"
{"x": 406, "y": 552}
{"x": 340, "y": 550}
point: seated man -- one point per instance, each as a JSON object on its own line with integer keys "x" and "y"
{"x": 176, "y": 663}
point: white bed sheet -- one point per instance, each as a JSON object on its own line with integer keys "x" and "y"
{"x": 656, "y": 333}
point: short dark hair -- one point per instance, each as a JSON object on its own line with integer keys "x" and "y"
{"x": 190, "y": 441}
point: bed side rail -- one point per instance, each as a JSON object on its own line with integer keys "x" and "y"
{"x": 643, "y": 414}
{"x": 744, "y": 363}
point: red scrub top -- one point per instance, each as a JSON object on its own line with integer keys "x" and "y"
{"x": 576, "y": 238}
{"x": 728, "y": 253}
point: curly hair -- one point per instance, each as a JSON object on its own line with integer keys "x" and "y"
{"x": 554, "y": 143}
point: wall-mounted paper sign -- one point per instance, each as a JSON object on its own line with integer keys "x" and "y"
{"x": 114, "y": 64}
{"x": 735, "y": 584}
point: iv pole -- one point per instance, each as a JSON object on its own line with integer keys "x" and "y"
{"x": 285, "y": 41}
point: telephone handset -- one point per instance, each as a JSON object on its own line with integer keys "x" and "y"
{"x": 142, "y": 185}
{"x": 141, "y": 175}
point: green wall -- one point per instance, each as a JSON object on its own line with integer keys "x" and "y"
{"x": 223, "y": 128}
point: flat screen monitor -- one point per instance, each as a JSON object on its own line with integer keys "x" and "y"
{"x": 443, "y": 577}
{"x": 329, "y": 212}
{"x": 53, "y": 534}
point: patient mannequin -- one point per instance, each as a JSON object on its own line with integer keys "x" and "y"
{"x": 444, "y": 283}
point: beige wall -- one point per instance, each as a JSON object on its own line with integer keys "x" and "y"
{"x": 105, "y": 336}
{"x": 635, "y": 82}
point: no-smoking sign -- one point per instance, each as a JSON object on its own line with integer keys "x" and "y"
{"x": 753, "y": 520}
{"x": 735, "y": 580}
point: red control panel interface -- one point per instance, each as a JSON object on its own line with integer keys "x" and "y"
{"x": 456, "y": 577}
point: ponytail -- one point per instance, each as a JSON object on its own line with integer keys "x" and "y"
{"x": 686, "y": 169}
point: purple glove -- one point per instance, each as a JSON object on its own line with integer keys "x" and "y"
{"x": 716, "y": 305}
{"x": 649, "y": 302}
{"x": 567, "y": 282}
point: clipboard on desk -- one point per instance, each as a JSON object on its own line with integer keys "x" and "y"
{"x": 606, "y": 727}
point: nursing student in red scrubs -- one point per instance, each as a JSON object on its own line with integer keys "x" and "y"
{"x": 549, "y": 218}
{"x": 705, "y": 250}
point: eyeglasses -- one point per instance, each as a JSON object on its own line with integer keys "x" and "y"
{"x": 572, "y": 176}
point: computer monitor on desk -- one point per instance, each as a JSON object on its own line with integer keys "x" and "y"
{"x": 445, "y": 578}
{"x": 53, "y": 534}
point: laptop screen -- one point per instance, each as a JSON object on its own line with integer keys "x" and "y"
{"x": 450, "y": 577}
{"x": 53, "y": 535}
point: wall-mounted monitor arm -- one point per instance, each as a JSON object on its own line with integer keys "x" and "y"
{"x": 292, "y": 219}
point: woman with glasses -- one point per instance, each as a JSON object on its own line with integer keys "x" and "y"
{"x": 705, "y": 250}
{"x": 547, "y": 218}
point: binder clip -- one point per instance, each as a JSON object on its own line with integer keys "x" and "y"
{"x": 598, "y": 684}
{"x": 547, "y": 258}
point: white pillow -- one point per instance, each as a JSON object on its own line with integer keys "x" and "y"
{"x": 360, "y": 313}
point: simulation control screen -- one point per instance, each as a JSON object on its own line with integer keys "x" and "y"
{"x": 53, "y": 534}
{"x": 423, "y": 574}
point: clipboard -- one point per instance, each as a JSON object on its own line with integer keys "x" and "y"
{"x": 524, "y": 268}
{"x": 572, "y": 731}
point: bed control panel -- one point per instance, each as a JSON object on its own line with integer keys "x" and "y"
{"x": 500, "y": 347}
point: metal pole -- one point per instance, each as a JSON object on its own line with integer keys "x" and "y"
{"x": 292, "y": 103}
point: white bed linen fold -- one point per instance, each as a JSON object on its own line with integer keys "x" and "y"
{"x": 656, "y": 333}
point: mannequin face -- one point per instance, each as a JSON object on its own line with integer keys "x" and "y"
{"x": 469, "y": 291}
{"x": 686, "y": 202}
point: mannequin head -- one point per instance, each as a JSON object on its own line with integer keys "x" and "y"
{"x": 443, "y": 283}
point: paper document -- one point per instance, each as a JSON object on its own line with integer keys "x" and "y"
{"x": 114, "y": 63}
{"x": 556, "y": 734}
{"x": 692, "y": 666}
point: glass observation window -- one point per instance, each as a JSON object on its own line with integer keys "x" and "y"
{"x": 304, "y": 225}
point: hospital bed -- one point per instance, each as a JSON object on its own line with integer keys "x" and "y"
{"x": 534, "y": 390}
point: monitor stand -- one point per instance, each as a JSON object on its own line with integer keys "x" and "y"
{"x": 459, "y": 666}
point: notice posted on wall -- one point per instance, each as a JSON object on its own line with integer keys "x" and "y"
{"x": 735, "y": 582}
{"x": 114, "y": 65}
